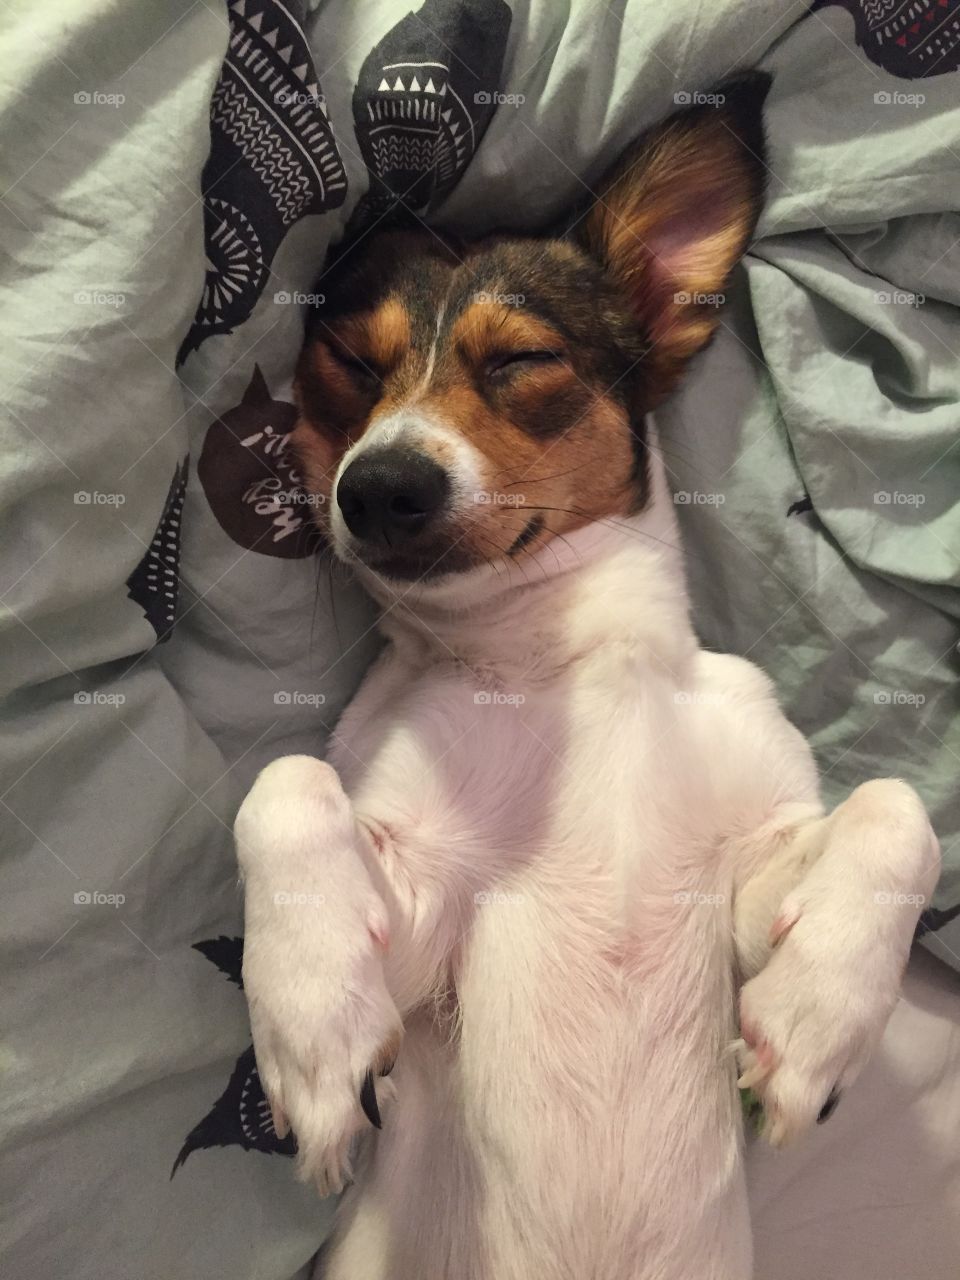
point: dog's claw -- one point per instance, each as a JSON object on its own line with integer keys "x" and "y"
{"x": 830, "y": 1106}
{"x": 368, "y": 1100}
{"x": 281, "y": 1126}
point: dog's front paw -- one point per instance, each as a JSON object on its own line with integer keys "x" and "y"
{"x": 324, "y": 1024}
{"x": 325, "y": 1031}
{"x": 811, "y": 1018}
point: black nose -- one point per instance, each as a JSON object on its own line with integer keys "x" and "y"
{"x": 392, "y": 494}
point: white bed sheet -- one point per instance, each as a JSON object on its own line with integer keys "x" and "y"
{"x": 874, "y": 1194}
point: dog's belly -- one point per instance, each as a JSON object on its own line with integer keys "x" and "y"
{"x": 600, "y": 1099}
{"x": 584, "y": 1123}
{"x": 577, "y": 1118}
{"x": 569, "y": 1132}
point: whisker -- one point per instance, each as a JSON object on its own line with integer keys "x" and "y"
{"x": 543, "y": 479}
{"x": 325, "y": 560}
{"x": 503, "y": 554}
{"x": 554, "y": 534}
{"x": 684, "y": 462}
{"x": 533, "y": 547}
{"x": 611, "y": 523}
{"x": 530, "y": 551}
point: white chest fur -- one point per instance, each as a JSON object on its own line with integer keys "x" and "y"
{"x": 592, "y": 971}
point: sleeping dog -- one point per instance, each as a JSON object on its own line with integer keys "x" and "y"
{"x": 565, "y": 876}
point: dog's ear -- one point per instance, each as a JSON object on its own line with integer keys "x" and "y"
{"x": 676, "y": 213}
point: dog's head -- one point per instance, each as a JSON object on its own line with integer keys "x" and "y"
{"x": 463, "y": 404}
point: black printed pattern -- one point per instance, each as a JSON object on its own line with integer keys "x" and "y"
{"x": 250, "y": 476}
{"x": 241, "y": 1115}
{"x": 424, "y": 98}
{"x": 802, "y": 504}
{"x": 908, "y": 38}
{"x": 155, "y": 583}
{"x": 935, "y": 918}
{"x": 273, "y": 160}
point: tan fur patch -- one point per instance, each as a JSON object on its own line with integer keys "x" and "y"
{"x": 486, "y": 329}
{"x": 379, "y": 338}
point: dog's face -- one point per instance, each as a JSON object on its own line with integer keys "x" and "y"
{"x": 464, "y": 404}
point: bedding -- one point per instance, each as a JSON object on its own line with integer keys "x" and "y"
{"x": 172, "y": 179}
{"x": 876, "y": 1192}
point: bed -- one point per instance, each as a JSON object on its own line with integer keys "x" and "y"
{"x": 174, "y": 176}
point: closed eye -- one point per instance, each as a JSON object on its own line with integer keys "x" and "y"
{"x": 515, "y": 360}
{"x": 363, "y": 369}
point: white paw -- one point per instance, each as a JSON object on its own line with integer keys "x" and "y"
{"x": 322, "y": 1040}
{"x": 324, "y": 1025}
{"x": 811, "y": 1018}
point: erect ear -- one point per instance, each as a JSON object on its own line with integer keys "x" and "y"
{"x": 676, "y": 213}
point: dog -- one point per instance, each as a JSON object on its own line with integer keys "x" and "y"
{"x": 566, "y": 875}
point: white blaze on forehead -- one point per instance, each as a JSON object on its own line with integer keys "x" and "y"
{"x": 424, "y": 382}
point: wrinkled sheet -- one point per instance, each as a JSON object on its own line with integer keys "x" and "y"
{"x": 166, "y": 624}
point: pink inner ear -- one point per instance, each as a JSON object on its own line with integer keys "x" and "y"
{"x": 677, "y": 241}
{"x": 672, "y": 241}
{"x": 659, "y": 282}
{"x": 675, "y": 261}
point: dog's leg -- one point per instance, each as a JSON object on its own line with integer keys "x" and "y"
{"x": 320, "y": 911}
{"x": 824, "y": 915}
